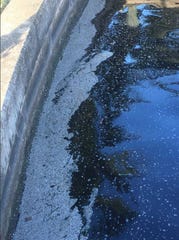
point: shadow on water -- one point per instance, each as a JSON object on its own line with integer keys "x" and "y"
{"x": 94, "y": 168}
{"x": 148, "y": 51}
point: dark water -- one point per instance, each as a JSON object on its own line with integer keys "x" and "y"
{"x": 126, "y": 134}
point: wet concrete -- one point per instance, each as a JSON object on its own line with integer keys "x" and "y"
{"x": 125, "y": 136}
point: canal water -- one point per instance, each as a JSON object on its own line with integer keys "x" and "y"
{"x": 125, "y": 136}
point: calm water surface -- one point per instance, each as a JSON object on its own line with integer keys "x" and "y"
{"x": 126, "y": 134}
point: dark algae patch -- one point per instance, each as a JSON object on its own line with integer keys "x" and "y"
{"x": 125, "y": 136}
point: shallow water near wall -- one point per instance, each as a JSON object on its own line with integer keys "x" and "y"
{"x": 125, "y": 136}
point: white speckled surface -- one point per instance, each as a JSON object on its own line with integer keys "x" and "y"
{"x": 45, "y": 210}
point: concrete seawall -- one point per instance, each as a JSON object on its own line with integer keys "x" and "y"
{"x": 41, "y": 38}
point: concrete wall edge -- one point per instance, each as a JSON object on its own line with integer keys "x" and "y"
{"x": 20, "y": 104}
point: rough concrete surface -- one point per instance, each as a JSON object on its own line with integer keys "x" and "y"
{"x": 16, "y": 21}
{"x": 45, "y": 211}
{"x": 15, "y": 26}
{"x": 24, "y": 79}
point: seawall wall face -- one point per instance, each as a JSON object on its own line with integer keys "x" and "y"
{"x": 44, "y": 38}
